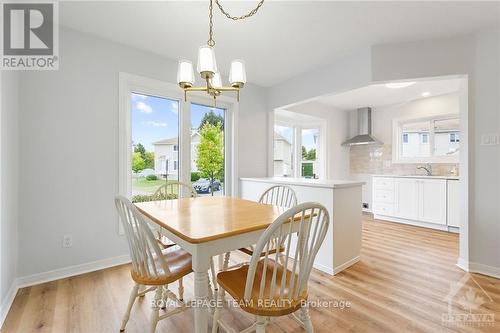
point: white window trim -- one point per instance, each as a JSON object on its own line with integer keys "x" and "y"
{"x": 397, "y": 139}
{"x": 128, "y": 84}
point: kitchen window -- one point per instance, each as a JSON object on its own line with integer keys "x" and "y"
{"x": 426, "y": 140}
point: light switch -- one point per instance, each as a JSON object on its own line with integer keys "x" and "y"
{"x": 491, "y": 139}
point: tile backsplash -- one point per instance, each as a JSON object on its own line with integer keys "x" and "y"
{"x": 377, "y": 159}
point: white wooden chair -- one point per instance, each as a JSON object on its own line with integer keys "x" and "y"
{"x": 170, "y": 191}
{"x": 279, "y": 195}
{"x": 267, "y": 288}
{"x": 151, "y": 267}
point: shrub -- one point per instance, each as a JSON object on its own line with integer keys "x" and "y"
{"x": 151, "y": 197}
{"x": 195, "y": 176}
{"x": 307, "y": 170}
{"x": 142, "y": 198}
{"x": 151, "y": 177}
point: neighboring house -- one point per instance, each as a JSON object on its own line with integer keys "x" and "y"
{"x": 282, "y": 156}
{"x": 418, "y": 143}
{"x": 167, "y": 155}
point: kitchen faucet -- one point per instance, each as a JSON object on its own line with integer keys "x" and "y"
{"x": 427, "y": 168}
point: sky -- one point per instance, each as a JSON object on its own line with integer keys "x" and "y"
{"x": 156, "y": 118}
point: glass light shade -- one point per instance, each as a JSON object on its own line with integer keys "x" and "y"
{"x": 217, "y": 81}
{"x": 207, "y": 65}
{"x": 185, "y": 73}
{"x": 237, "y": 73}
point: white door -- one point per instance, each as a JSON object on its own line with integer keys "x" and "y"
{"x": 407, "y": 198}
{"x": 432, "y": 201}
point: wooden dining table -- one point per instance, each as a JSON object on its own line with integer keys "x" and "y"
{"x": 206, "y": 227}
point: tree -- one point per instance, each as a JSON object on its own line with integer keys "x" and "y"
{"x": 137, "y": 162}
{"x": 149, "y": 160}
{"x": 311, "y": 154}
{"x": 212, "y": 118}
{"x": 147, "y": 157}
{"x": 139, "y": 148}
{"x": 210, "y": 161}
{"x": 304, "y": 152}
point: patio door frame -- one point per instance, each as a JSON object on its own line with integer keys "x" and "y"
{"x": 130, "y": 83}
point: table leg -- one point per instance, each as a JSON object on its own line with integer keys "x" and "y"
{"x": 201, "y": 266}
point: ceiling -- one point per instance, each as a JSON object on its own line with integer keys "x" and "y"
{"x": 377, "y": 95}
{"x": 284, "y": 39}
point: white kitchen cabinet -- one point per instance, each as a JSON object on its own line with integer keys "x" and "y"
{"x": 413, "y": 200}
{"x": 453, "y": 203}
{"x": 432, "y": 201}
{"x": 406, "y": 198}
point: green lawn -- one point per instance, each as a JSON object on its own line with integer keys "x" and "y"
{"x": 143, "y": 185}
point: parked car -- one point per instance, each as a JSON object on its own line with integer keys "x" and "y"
{"x": 202, "y": 185}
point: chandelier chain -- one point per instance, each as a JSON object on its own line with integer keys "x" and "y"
{"x": 211, "y": 41}
{"x": 242, "y": 17}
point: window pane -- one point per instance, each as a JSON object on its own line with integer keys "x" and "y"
{"x": 155, "y": 132}
{"x": 283, "y": 152}
{"x": 415, "y": 138}
{"x": 207, "y": 149}
{"x": 446, "y": 137}
{"x": 309, "y": 161}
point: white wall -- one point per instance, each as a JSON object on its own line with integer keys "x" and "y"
{"x": 426, "y": 107}
{"x": 69, "y": 149}
{"x": 8, "y": 186}
{"x": 475, "y": 55}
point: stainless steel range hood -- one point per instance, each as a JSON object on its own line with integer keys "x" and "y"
{"x": 364, "y": 136}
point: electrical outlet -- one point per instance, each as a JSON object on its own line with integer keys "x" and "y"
{"x": 67, "y": 241}
{"x": 491, "y": 139}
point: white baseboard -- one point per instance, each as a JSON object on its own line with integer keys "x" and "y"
{"x": 61, "y": 273}
{"x": 323, "y": 268}
{"x": 474, "y": 267}
{"x": 492, "y": 271}
{"x": 7, "y": 301}
{"x": 345, "y": 265}
{"x": 411, "y": 222}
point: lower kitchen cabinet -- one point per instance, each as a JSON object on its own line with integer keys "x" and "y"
{"x": 418, "y": 201}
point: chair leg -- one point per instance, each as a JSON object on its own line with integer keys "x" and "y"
{"x": 226, "y": 261}
{"x": 306, "y": 319}
{"x": 215, "y": 323}
{"x": 164, "y": 298}
{"x": 261, "y": 325}
{"x": 133, "y": 296}
{"x": 181, "y": 290}
{"x": 214, "y": 275}
{"x": 156, "y": 311}
{"x": 141, "y": 289}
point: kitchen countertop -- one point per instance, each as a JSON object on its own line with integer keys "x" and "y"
{"x": 420, "y": 176}
{"x": 325, "y": 183}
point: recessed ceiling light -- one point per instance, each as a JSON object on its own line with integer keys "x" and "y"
{"x": 426, "y": 94}
{"x": 397, "y": 85}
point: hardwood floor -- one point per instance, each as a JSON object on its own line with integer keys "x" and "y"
{"x": 400, "y": 285}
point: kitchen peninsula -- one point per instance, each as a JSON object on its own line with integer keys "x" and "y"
{"x": 342, "y": 244}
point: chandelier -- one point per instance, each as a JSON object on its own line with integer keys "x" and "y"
{"x": 207, "y": 65}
